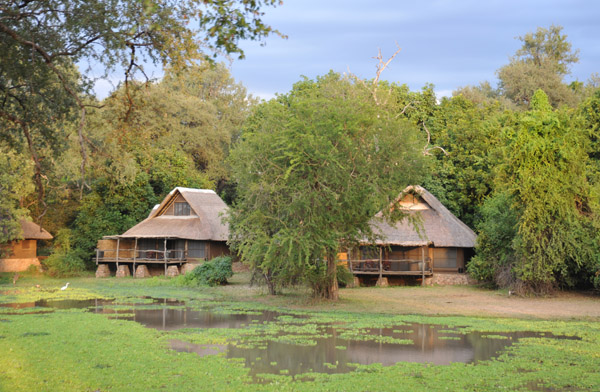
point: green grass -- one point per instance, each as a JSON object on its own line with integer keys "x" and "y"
{"x": 75, "y": 350}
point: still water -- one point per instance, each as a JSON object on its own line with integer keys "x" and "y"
{"x": 332, "y": 353}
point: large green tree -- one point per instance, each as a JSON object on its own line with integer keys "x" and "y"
{"x": 469, "y": 133}
{"x": 541, "y": 63}
{"x": 313, "y": 168}
{"x": 544, "y": 179}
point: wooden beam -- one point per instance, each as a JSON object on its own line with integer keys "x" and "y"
{"x": 380, "y": 263}
{"x": 118, "y": 245}
{"x": 165, "y": 256}
{"x": 423, "y": 266}
{"x": 134, "y": 257}
{"x": 350, "y": 261}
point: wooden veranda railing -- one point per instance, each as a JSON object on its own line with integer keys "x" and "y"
{"x": 152, "y": 255}
{"x": 390, "y": 267}
{"x": 142, "y": 256}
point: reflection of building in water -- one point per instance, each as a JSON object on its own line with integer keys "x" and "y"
{"x": 428, "y": 346}
{"x": 167, "y": 318}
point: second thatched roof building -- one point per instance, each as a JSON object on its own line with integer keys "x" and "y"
{"x": 440, "y": 243}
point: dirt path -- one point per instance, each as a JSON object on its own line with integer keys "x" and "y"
{"x": 470, "y": 301}
{"x": 437, "y": 300}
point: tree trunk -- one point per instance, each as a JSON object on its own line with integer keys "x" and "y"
{"x": 270, "y": 283}
{"x": 331, "y": 290}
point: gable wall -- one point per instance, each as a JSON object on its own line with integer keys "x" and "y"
{"x": 22, "y": 255}
{"x": 24, "y": 249}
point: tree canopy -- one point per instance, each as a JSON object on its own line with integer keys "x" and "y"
{"x": 44, "y": 42}
{"x": 541, "y": 63}
{"x": 313, "y": 167}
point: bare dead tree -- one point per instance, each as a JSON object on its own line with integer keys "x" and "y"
{"x": 381, "y": 66}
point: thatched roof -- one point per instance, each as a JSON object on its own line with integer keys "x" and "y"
{"x": 204, "y": 224}
{"x": 439, "y": 226}
{"x": 32, "y": 231}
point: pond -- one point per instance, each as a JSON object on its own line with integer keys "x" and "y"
{"x": 282, "y": 343}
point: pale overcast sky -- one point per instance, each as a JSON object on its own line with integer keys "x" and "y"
{"x": 449, "y": 43}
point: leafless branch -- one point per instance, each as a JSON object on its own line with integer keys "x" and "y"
{"x": 381, "y": 66}
{"x": 426, "y": 149}
{"x": 404, "y": 110}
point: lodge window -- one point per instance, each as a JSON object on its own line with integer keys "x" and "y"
{"x": 445, "y": 257}
{"x": 369, "y": 252}
{"x": 197, "y": 249}
{"x": 182, "y": 209}
{"x": 176, "y": 249}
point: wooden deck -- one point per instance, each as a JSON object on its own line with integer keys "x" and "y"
{"x": 135, "y": 256}
{"x": 386, "y": 267}
{"x": 139, "y": 261}
{"x": 392, "y": 273}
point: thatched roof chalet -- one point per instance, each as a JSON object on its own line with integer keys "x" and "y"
{"x": 439, "y": 227}
{"x": 203, "y": 220}
{"x": 32, "y": 231}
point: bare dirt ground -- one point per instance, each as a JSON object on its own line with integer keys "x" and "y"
{"x": 472, "y": 301}
{"x": 436, "y": 300}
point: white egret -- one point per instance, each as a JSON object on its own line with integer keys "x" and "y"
{"x": 65, "y": 286}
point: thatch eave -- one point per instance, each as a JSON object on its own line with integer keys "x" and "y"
{"x": 32, "y": 231}
{"x": 439, "y": 227}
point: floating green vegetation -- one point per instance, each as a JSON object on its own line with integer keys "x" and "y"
{"x": 367, "y": 335}
{"x": 501, "y": 337}
{"x": 90, "y": 351}
{"x": 34, "y": 309}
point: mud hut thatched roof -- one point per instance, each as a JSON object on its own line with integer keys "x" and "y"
{"x": 204, "y": 223}
{"x": 32, "y": 231}
{"x": 439, "y": 226}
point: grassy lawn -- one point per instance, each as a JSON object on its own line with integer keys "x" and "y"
{"x": 78, "y": 350}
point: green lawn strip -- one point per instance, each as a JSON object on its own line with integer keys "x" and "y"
{"x": 79, "y": 351}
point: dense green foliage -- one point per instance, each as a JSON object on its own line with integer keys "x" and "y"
{"x": 344, "y": 277}
{"x": 64, "y": 261}
{"x": 313, "y": 168}
{"x": 14, "y": 187}
{"x": 470, "y": 135}
{"x": 539, "y": 229}
{"x": 546, "y": 171}
{"x": 496, "y": 230}
{"x": 42, "y": 93}
{"x": 527, "y": 180}
{"x": 214, "y": 272}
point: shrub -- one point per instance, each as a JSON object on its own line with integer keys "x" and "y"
{"x": 64, "y": 260}
{"x": 212, "y": 273}
{"x": 344, "y": 276}
{"x": 495, "y": 243}
{"x": 62, "y": 263}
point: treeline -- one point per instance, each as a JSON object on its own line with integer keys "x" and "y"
{"x": 519, "y": 163}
